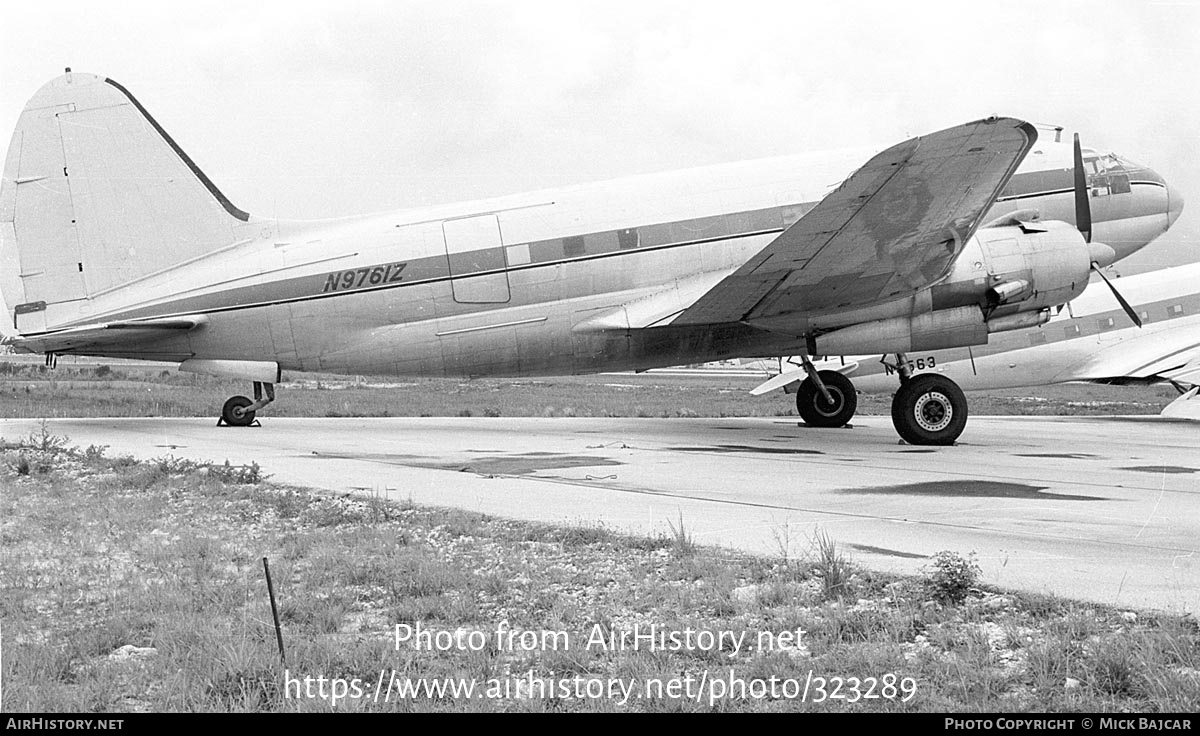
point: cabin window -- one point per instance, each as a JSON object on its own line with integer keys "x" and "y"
{"x": 1072, "y": 331}
{"x": 700, "y": 228}
{"x": 1106, "y": 324}
{"x": 573, "y": 246}
{"x": 627, "y": 238}
{"x": 769, "y": 219}
{"x": 1037, "y": 338}
{"x": 518, "y": 255}
{"x": 1174, "y": 310}
{"x": 655, "y": 234}
{"x": 546, "y": 250}
{"x": 600, "y": 243}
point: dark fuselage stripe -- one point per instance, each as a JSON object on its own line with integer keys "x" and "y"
{"x": 205, "y": 303}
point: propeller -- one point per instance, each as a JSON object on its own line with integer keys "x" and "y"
{"x": 1083, "y": 221}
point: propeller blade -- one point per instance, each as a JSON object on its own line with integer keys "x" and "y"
{"x": 1124, "y": 304}
{"x": 1083, "y": 209}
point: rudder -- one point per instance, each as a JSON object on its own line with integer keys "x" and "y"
{"x": 95, "y": 195}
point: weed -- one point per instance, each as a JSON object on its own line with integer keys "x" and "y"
{"x": 831, "y": 566}
{"x": 682, "y": 544}
{"x": 175, "y": 466}
{"x": 782, "y": 535}
{"x": 240, "y": 474}
{"x": 94, "y": 453}
{"x": 950, "y": 577}
{"x": 44, "y": 441}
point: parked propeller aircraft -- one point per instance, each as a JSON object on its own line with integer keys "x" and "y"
{"x": 1092, "y": 340}
{"x": 114, "y": 243}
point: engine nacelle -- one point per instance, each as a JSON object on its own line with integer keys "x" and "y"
{"x": 1018, "y": 268}
{"x": 1006, "y": 278}
{"x": 946, "y": 328}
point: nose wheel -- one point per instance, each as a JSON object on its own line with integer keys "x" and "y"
{"x": 239, "y": 411}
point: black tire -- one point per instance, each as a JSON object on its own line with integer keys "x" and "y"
{"x": 816, "y": 411}
{"x": 233, "y": 415}
{"x": 929, "y": 410}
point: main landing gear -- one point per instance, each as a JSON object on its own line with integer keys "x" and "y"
{"x": 239, "y": 411}
{"x": 825, "y": 398}
{"x": 928, "y": 409}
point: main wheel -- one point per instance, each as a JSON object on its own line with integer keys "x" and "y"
{"x": 234, "y": 412}
{"x": 816, "y": 411}
{"x": 929, "y": 410}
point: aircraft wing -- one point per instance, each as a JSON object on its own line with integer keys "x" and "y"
{"x": 110, "y": 336}
{"x": 1169, "y": 356}
{"x": 891, "y": 229}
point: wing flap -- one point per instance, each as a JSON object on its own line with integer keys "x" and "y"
{"x": 892, "y": 228}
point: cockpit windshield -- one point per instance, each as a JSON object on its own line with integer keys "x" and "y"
{"x": 1107, "y": 174}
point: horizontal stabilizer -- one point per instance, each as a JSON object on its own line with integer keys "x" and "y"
{"x": 787, "y": 378}
{"x": 779, "y": 381}
{"x": 107, "y": 337}
{"x": 1186, "y": 406}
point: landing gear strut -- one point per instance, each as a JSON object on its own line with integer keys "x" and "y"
{"x": 239, "y": 411}
{"x": 928, "y": 409}
{"x": 832, "y": 407}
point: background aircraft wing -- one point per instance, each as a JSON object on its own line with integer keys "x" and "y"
{"x": 892, "y": 228}
{"x": 1166, "y": 355}
{"x": 110, "y": 336}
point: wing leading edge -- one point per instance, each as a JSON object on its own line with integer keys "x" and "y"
{"x": 892, "y": 228}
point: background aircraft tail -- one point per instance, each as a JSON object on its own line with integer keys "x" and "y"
{"x": 95, "y": 197}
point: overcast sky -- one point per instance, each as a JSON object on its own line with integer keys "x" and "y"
{"x": 322, "y": 109}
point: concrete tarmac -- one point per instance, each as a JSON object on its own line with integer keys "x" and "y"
{"x": 1105, "y": 509}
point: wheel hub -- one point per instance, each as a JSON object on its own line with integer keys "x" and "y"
{"x": 829, "y": 408}
{"x": 933, "y": 411}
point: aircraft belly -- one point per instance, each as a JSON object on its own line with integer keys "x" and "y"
{"x": 279, "y": 322}
{"x": 235, "y": 335}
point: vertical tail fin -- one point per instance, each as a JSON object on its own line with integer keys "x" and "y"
{"x": 96, "y": 195}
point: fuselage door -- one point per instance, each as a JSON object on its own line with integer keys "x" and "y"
{"x": 476, "y": 258}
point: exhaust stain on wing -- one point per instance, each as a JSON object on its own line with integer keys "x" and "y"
{"x": 1161, "y": 469}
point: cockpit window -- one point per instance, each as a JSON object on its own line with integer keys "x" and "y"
{"x": 1106, "y": 174}
{"x": 1105, "y": 164}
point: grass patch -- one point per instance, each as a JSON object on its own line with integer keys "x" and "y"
{"x": 138, "y": 586}
{"x": 131, "y": 389}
